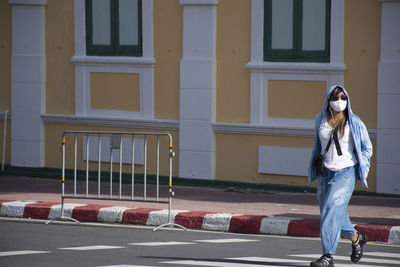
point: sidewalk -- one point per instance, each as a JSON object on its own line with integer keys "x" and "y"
{"x": 233, "y": 210}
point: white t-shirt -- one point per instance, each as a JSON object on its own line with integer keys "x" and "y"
{"x": 332, "y": 160}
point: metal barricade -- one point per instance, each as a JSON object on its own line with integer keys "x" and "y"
{"x": 116, "y": 141}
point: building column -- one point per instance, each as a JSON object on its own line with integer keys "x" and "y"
{"x": 28, "y": 82}
{"x": 388, "y": 130}
{"x": 197, "y": 89}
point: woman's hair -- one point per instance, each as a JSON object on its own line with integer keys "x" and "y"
{"x": 342, "y": 122}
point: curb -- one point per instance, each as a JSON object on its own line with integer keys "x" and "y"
{"x": 200, "y": 220}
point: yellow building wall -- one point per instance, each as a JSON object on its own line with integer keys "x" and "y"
{"x": 237, "y": 154}
{"x": 5, "y": 56}
{"x": 5, "y": 76}
{"x": 60, "y": 72}
{"x": 8, "y": 142}
{"x": 54, "y": 155}
{"x": 60, "y": 91}
{"x": 168, "y": 53}
{"x": 237, "y": 159}
{"x": 295, "y": 99}
{"x": 361, "y": 56}
{"x": 115, "y": 91}
{"x": 233, "y": 53}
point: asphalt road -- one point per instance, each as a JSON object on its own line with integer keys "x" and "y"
{"x": 32, "y": 243}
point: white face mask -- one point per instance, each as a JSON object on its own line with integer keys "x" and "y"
{"x": 338, "y": 105}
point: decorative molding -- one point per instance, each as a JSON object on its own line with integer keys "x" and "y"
{"x": 28, "y": 2}
{"x": 296, "y": 68}
{"x": 110, "y": 122}
{"x": 113, "y": 61}
{"x": 198, "y": 2}
{"x": 238, "y": 128}
{"x": 228, "y": 128}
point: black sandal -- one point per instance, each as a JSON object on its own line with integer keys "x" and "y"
{"x": 324, "y": 261}
{"x": 357, "y": 248}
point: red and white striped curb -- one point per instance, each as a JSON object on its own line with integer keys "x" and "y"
{"x": 237, "y": 223}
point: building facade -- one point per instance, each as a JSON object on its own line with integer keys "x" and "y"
{"x": 237, "y": 83}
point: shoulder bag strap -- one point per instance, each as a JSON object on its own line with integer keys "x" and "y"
{"x": 337, "y": 145}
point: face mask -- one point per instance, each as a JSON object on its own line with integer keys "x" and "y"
{"x": 338, "y": 105}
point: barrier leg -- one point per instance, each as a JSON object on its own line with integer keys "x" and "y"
{"x": 171, "y": 193}
{"x": 62, "y": 217}
{"x": 170, "y": 223}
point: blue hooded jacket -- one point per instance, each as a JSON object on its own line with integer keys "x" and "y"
{"x": 362, "y": 142}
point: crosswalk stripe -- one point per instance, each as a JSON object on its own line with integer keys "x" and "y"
{"x": 127, "y": 265}
{"x": 270, "y": 260}
{"x": 99, "y": 247}
{"x": 364, "y": 259}
{"x": 226, "y": 240}
{"x": 22, "y": 252}
{"x": 214, "y": 263}
{"x": 382, "y": 254}
{"x": 168, "y": 243}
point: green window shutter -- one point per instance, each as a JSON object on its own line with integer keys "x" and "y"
{"x": 290, "y": 27}
{"x": 104, "y": 23}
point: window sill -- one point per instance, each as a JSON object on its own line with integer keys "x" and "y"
{"x": 292, "y": 67}
{"x": 109, "y": 60}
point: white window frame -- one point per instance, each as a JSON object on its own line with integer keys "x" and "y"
{"x": 84, "y": 65}
{"x": 261, "y": 72}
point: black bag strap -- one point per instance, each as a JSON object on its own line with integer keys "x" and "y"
{"x": 337, "y": 145}
{"x": 328, "y": 145}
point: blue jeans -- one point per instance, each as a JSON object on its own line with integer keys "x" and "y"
{"x": 334, "y": 193}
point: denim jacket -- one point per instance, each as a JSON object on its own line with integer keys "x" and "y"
{"x": 362, "y": 142}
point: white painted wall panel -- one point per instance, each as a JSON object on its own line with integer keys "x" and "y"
{"x": 389, "y": 111}
{"x": 283, "y": 160}
{"x": 105, "y": 150}
{"x": 390, "y": 181}
{"x": 196, "y": 164}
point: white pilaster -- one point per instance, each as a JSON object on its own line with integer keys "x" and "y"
{"x": 197, "y": 89}
{"x": 388, "y": 130}
{"x": 28, "y": 82}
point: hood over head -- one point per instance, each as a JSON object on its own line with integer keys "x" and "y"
{"x": 328, "y": 94}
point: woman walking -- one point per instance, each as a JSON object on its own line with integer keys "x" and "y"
{"x": 343, "y": 141}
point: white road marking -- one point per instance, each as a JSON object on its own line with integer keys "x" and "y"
{"x": 22, "y": 252}
{"x": 214, "y": 263}
{"x": 270, "y": 260}
{"x": 344, "y": 258}
{"x": 127, "y": 265}
{"x": 239, "y": 261}
{"x": 382, "y": 254}
{"x": 168, "y": 243}
{"x": 226, "y": 240}
{"x": 99, "y": 247}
